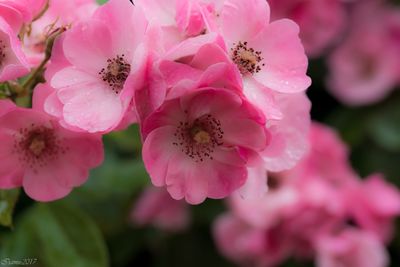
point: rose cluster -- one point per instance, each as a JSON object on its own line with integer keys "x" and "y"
{"x": 217, "y": 89}
{"x": 320, "y": 209}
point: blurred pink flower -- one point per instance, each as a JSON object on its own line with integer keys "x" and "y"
{"x": 106, "y": 57}
{"x": 365, "y": 67}
{"x": 351, "y": 247}
{"x": 199, "y": 145}
{"x": 373, "y": 204}
{"x": 249, "y": 246}
{"x": 321, "y": 22}
{"x": 156, "y": 207}
{"x": 42, "y": 157}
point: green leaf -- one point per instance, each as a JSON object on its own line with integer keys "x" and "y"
{"x": 56, "y": 235}
{"x": 101, "y": 1}
{"x": 8, "y": 199}
{"x": 384, "y": 126}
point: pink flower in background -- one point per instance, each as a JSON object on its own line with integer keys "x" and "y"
{"x": 199, "y": 145}
{"x": 309, "y": 210}
{"x": 107, "y": 58}
{"x": 41, "y": 156}
{"x": 13, "y": 63}
{"x": 365, "y": 67}
{"x": 156, "y": 207}
{"x": 267, "y": 54}
{"x": 60, "y": 13}
{"x": 373, "y": 204}
{"x": 249, "y": 246}
{"x": 321, "y": 22}
{"x": 351, "y": 247}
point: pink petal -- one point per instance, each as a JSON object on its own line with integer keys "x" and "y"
{"x": 284, "y": 58}
{"x": 256, "y": 184}
{"x": 89, "y": 45}
{"x": 243, "y": 19}
{"x": 44, "y": 186}
{"x": 95, "y": 109}
{"x": 157, "y": 152}
{"x": 224, "y": 179}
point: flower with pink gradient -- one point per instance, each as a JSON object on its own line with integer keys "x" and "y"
{"x": 365, "y": 67}
{"x": 267, "y": 54}
{"x": 321, "y": 22}
{"x": 60, "y": 13}
{"x": 199, "y": 145}
{"x": 41, "y": 156}
{"x": 156, "y": 207}
{"x": 13, "y": 63}
{"x": 106, "y": 60}
{"x": 351, "y": 247}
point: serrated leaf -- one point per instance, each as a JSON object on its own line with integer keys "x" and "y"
{"x": 56, "y": 235}
{"x": 8, "y": 199}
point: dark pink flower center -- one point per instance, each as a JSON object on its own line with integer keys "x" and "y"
{"x": 116, "y": 73}
{"x": 2, "y": 52}
{"x": 37, "y": 145}
{"x": 246, "y": 58}
{"x": 199, "y": 138}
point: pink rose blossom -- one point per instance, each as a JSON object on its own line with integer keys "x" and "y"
{"x": 13, "y": 63}
{"x": 268, "y": 54}
{"x": 199, "y": 145}
{"x": 321, "y": 22}
{"x": 42, "y": 157}
{"x": 106, "y": 57}
{"x": 353, "y": 248}
{"x": 156, "y": 207}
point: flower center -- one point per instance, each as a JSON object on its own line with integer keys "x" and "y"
{"x": 246, "y": 58}
{"x": 116, "y": 73}
{"x": 199, "y": 139}
{"x": 35, "y": 146}
{"x": 199, "y": 135}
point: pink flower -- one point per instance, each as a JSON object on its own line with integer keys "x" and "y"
{"x": 12, "y": 60}
{"x": 267, "y": 54}
{"x": 106, "y": 57}
{"x": 249, "y": 246}
{"x": 365, "y": 67}
{"x": 321, "y": 22}
{"x": 60, "y": 13}
{"x": 42, "y": 157}
{"x": 156, "y": 207}
{"x": 199, "y": 145}
{"x": 374, "y": 216}
{"x": 353, "y": 248}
